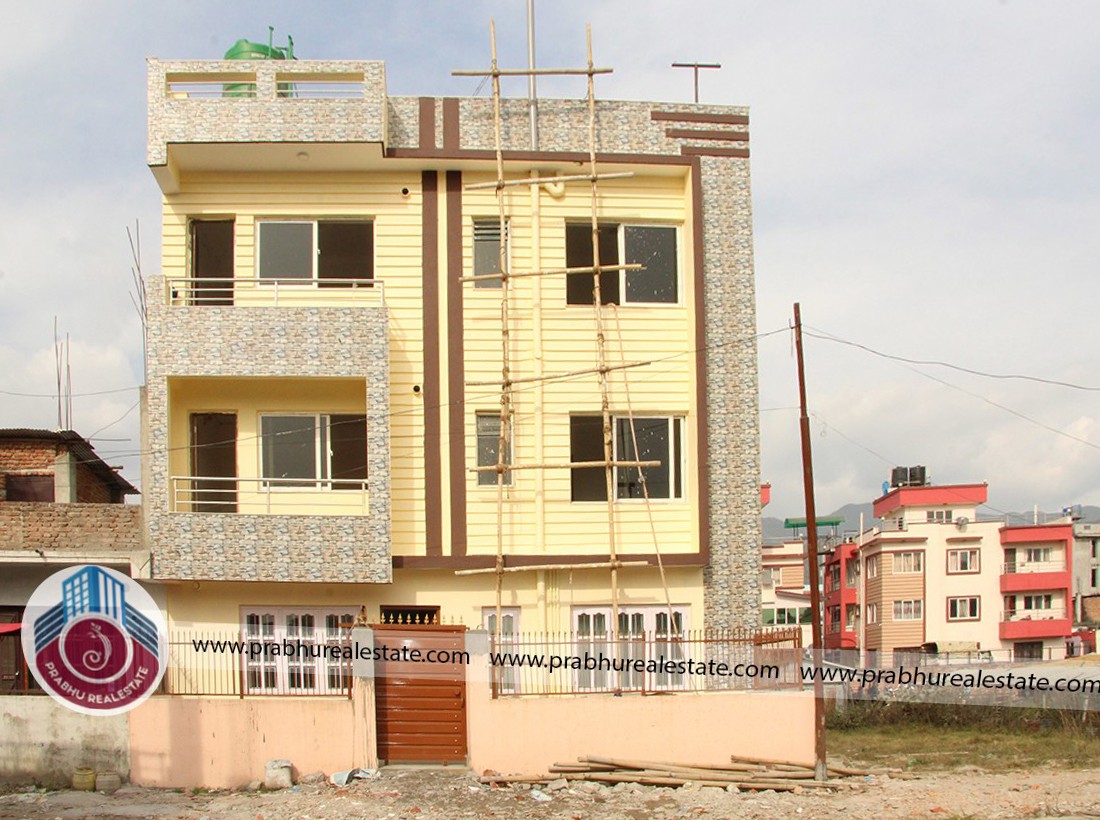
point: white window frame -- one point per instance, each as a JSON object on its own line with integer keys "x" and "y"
{"x": 509, "y": 475}
{"x": 509, "y": 638}
{"x": 322, "y": 457}
{"x": 910, "y": 562}
{"x": 955, "y": 561}
{"x": 940, "y": 516}
{"x": 872, "y": 562}
{"x": 872, "y": 614}
{"x": 313, "y": 278}
{"x": 648, "y": 619}
{"x": 675, "y": 465}
{"x": 1045, "y": 601}
{"x": 475, "y": 222}
{"x": 1044, "y": 555}
{"x": 909, "y": 609}
{"x": 277, "y": 673}
{"x": 971, "y": 603}
{"x": 620, "y": 235}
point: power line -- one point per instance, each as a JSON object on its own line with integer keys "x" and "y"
{"x": 829, "y": 337}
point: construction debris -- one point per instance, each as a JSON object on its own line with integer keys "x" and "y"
{"x": 740, "y": 774}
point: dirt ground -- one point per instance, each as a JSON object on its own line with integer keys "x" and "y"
{"x": 426, "y": 794}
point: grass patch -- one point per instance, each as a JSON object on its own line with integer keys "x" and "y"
{"x": 937, "y": 737}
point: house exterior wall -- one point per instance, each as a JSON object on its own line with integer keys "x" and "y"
{"x": 440, "y": 334}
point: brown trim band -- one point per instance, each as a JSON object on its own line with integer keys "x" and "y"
{"x": 534, "y": 156}
{"x": 691, "y": 116}
{"x": 451, "y": 141}
{"x": 707, "y": 151}
{"x": 699, "y": 134}
{"x": 456, "y": 397}
{"x": 433, "y": 466}
{"x": 427, "y": 122}
{"x": 692, "y": 559}
{"x": 702, "y": 491}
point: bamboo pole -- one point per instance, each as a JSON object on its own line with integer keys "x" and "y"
{"x": 568, "y": 375}
{"x": 567, "y": 465}
{"x": 483, "y": 277}
{"x": 554, "y": 567}
{"x": 523, "y": 72}
{"x": 505, "y": 371}
{"x": 478, "y": 186}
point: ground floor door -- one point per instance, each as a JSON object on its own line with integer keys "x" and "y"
{"x": 1027, "y": 651}
{"x": 421, "y": 707}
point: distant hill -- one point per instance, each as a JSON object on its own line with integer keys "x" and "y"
{"x": 774, "y": 529}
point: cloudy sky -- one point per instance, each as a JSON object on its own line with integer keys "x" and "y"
{"x": 926, "y": 182}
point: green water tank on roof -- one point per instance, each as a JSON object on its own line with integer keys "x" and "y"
{"x": 248, "y": 50}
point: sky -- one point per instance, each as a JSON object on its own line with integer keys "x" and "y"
{"x": 925, "y": 184}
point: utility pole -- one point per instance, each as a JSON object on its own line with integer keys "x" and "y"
{"x": 820, "y": 769}
{"x": 695, "y": 67}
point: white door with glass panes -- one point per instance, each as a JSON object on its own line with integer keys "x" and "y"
{"x": 644, "y": 635}
{"x": 317, "y": 666}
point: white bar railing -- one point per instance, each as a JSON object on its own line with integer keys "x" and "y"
{"x": 197, "y": 291}
{"x": 1052, "y": 614}
{"x": 269, "y": 496}
{"x": 1024, "y": 567}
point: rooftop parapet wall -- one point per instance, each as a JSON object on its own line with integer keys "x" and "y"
{"x": 235, "y": 101}
{"x": 344, "y": 101}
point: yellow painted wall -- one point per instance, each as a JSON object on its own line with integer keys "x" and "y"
{"x": 249, "y": 399}
{"x": 546, "y": 599}
{"x": 539, "y": 514}
{"x": 397, "y": 248}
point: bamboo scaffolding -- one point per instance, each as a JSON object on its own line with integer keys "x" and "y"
{"x": 609, "y": 464}
{"x": 477, "y": 186}
{"x": 483, "y": 277}
{"x": 565, "y": 465}
{"x": 524, "y": 72}
{"x": 555, "y": 567}
{"x": 567, "y": 375}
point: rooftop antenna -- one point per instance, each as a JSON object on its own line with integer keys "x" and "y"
{"x": 695, "y": 67}
{"x": 57, "y": 371}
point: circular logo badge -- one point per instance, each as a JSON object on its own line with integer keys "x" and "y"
{"x": 95, "y": 640}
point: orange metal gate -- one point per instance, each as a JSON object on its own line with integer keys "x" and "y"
{"x": 421, "y": 707}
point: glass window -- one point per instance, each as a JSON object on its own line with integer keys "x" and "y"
{"x": 653, "y": 246}
{"x": 487, "y": 250}
{"x": 314, "y": 451}
{"x": 329, "y": 251}
{"x": 658, "y": 439}
{"x": 488, "y": 445}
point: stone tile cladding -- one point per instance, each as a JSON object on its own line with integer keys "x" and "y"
{"x": 266, "y": 117}
{"x": 260, "y": 341}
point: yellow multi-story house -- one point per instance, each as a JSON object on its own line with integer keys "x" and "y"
{"x": 320, "y": 379}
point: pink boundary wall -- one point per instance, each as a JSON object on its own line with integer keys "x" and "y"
{"x": 179, "y": 742}
{"x": 528, "y": 734}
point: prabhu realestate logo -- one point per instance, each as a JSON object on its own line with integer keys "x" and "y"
{"x": 94, "y": 640}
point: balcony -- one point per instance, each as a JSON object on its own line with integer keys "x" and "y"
{"x": 264, "y": 115}
{"x": 190, "y": 291}
{"x": 1035, "y": 624}
{"x": 1034, "y": 576}
{"x": 268, "y": 496}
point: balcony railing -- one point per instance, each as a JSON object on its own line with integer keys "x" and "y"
{"x": 1022, "y": 567}
{"x": 269, "y": 496}
{"x": 227, "y": 85}
{"x": 1052, "y": 614}
{"x": 193, "y": 291}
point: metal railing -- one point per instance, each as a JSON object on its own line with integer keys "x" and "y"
{"x": 1051, "y": 614}
{"x": 1024, "y": 567}
{"x": 292, "y": 85}
{"x": 646, "y": 663}
{"x": 206, "y": 664}
{"x": 272, "y": 292}
{"x": 269, "y": 496}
